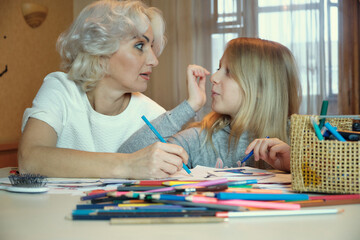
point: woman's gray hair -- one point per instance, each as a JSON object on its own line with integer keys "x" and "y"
{"x": 95, "y": 35}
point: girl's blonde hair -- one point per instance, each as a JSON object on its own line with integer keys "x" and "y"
{"x": 96, "y": 34}
{"x": 267, "y": 73}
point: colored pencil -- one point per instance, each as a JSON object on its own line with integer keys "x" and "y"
{"x": 98, "y": 191}
{"x": 161, "y": 207}
{"x": 254, "y": 190}
{"x": 108, "y": 199}
{"x": 150, "y": 182}
{"x": 201, "y": 199}
{"x": 319, "y": 203}
{"x": 137, "y": 204}
{"x": 168, "y": 220}
{"x": 161, "y": 139}
{"x": 165, "y": 197}
{"x": 117, "y": 194}
{"x": 107, "y": 215}
{"x": 275, "y": 213}
{"x": 203, "y": 184}
{"x": 206, "y": 205}
{"x": 93, "y": 196}
{"x": 176, "y": 183}
{"x": 260, "y": 196}
{"x": 94, "y": 206}
{"x": 245, "y": 203}
{"x": 243, "y": 182}
{"x": 249, "y": 155}
{"x": 138, "y": 188}
{"x": 261, "y": 204}
{"x": 336, "y": 197}
{"x": 214, "y": 188}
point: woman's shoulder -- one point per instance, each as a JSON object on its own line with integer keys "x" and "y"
{"x": 59, "y": 79}
{"x": 58, "y": 83}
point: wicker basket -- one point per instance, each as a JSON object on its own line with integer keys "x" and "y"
{"x": 327, "y": 166}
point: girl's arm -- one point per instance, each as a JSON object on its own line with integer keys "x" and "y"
{"x": 38, "y": 154}
{"x": 172, "y": 121}
{"x": 273, "y": 151}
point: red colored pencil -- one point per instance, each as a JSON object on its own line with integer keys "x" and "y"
{"x": 335, "y": 197}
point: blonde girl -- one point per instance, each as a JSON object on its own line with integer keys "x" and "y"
{"x": 254, "y": 92}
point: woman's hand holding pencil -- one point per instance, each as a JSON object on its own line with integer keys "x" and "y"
{"x": 161, "y": 160}
{"x": 180, "y": 151}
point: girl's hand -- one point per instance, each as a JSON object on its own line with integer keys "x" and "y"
{"x": 196, "y": 90}
{"x": 273, "y": 151}
{"x": 159, "y": 160}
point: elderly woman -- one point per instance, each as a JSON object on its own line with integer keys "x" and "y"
{"x": 80, "y": 117}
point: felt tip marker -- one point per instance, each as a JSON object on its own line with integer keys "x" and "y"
{"x": 334, "y": 132}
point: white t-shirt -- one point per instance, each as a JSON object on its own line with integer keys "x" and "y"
{"x": 63, "y": 105}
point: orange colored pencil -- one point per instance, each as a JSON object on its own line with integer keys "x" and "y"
{"x": 252, "y": 190}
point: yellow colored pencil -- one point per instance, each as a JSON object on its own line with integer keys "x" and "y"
{"x": 138, "y": 204}
{"x": 173, "y": 183}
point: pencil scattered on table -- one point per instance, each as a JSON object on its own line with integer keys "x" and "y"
{"x": 134, "y": 204}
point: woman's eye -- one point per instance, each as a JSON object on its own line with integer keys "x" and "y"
{"x": 139, "y": 46}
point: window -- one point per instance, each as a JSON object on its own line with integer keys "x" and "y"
{"x": 309, "y": 28}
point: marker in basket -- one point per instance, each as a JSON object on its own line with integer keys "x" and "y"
{"x": 161, "y": 139}
{"x": 334, "y": 132}
{"x": 249, "y": 155}
{"x": 316, "y": 129}
{"x": 324, "y": 107}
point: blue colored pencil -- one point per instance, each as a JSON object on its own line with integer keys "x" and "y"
{"x": 93, "y": 196}
{"x": 167, "y": 197}
{"x": 244, "y": 182}
{"x": 95, "y": 206}
{"x": 161, "y": 139}
{"x": 260, "y": 196}
{"x": 249, "y": 155}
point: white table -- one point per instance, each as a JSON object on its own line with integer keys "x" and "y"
{"x": 42, "y": 216}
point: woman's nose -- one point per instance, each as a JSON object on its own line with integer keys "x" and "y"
{"x": 152, "y": 59}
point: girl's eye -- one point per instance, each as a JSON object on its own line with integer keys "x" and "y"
{"x": 139, "y": 46}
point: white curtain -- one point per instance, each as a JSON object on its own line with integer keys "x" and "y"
{"x": 198, "y": 31}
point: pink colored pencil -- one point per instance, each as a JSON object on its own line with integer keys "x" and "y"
{"x": 116, "y": 194}
{"x": 201, "y": 199}
{"x": 261, "y": 204}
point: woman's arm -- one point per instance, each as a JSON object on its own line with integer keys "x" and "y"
{"x": 38, "y": 154}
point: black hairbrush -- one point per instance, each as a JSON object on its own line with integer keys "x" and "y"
{"x": 26, "y": 183}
